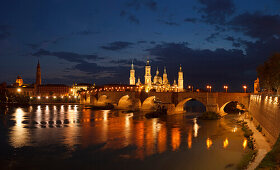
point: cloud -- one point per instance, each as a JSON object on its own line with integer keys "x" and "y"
{"x": 141, "y": 42}
{"x": 4, "y": 32}
{"x": 117, "y": 45}
{"x": 45, "y": 43}
{"x": 170, "y": 23}
{"x": 68, "y": 56}
{"x": 86, "y": 32}
{"x": 213, "y": 36}
{"x": 202, "y": 65}
{"x": 133, "y": 19}
{"x": 127, "y": 62}
{"x": 216, "y": 11}
{"x": 191, "y": 20}
{"x": 138, "y": 4}
{"x": 257, "y": 25}
{"x": 230, "y": 38}
{"x": 130, "y": 17}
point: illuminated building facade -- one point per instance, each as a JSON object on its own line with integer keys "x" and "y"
{"x": 19, "y": 81}
{"x": 132, "y": 75}
{"x": 159, "y": 84}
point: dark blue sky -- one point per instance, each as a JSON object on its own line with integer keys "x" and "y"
{"x": 216, "y": 41}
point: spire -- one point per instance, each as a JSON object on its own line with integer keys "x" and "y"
{"x": 38, "y": 74}
{"x": 148, "y": 62}
{"x": 38, "y": 64}
{"x": 164, "y": 70}
{"x": 180, "y": 67}
{"x": 132, "y": 66}
{"x": 157, "y": 73}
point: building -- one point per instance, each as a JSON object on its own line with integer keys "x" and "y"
{"x": 26, "y": 89}
{"x": 53, "y": 90}
{"x": 158, "y": 83}
{"x": 80, "y": 87}
{"x": 19, "y": 81}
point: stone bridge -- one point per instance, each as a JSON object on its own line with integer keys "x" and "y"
{"x": 173, "y": 101}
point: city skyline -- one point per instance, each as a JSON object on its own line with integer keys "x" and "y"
{"x": 217, "y": 42}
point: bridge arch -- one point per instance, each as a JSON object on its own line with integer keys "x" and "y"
{"x": 149, "y": 103}
{"x": 103, "y": 100}
{"x": 225, "y": 104}
{"x": 93, "y": 99}
{"x": 125, "y": 102}
{"x": 180, "y": 106}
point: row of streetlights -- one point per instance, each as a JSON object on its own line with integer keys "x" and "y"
{"x": 209, "y": 87}
{"x": 47, "y": 97}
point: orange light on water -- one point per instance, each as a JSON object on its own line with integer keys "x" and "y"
{"x": 226, "y": 143}
{"x": 244, "y": 144}
{"x": 209, "y": 143}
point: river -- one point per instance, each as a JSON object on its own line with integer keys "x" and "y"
{"x": 71, "y": 137}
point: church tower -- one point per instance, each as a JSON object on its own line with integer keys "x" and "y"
{"x": 132, "y": 75}
{"x": 38, "y": 74}
{"x": 180, "y": 80}
{"x": 148, "y": 77}
{"x": 164, "y": 77}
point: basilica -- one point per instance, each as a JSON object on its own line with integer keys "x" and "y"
{"x": 158, "y": 83}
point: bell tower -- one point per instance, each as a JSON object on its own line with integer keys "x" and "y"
{"x": 164, "y": 76}
{"x": 148, "y": 77}
{"x": 132, "y": 75}
{"x": 180, "y": 80}
{"x": 38, "y": 74}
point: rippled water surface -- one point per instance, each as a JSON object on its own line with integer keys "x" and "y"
{"x": 68, "y": 136}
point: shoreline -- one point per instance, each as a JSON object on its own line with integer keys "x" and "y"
{"x": 261, "y": 144}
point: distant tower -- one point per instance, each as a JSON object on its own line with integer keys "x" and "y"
{"x": 38, "y": 74}
{"x": 19, "y": 81}
{"x": 257, "y": 86}
{"x": 132, "y": 75}
{"x": 180, "y": 80}
{"x": 148, "y": 77}
{"x": 164, "y": 76}
{"x": 138, "y": 82}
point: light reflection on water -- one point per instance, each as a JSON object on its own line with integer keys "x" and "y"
{"x": 71, "y": 125}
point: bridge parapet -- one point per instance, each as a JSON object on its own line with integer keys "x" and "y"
{"x": 212, "y": 101}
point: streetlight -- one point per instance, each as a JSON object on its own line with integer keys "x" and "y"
{"x": 190, "y": 87}
{"x": 226, "y": 87}
{"x": 209, "y": 88}
{"x": 19, "y": 90}
{"x": 244, "y": 87}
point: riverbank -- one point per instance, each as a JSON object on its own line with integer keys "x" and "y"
{"x": 261, "y": 144}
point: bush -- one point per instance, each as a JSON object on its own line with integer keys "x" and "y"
{"x": 271, "y": 160}
{"x": 259, "y": 128}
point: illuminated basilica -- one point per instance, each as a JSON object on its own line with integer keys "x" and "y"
{"x": 158, "y": 84}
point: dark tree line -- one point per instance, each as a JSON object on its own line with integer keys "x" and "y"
{"x": 269, "y": 73}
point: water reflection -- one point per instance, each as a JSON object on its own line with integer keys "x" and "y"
{"x": 72, "y": 125}
{"x": 175, "y": 138}
{"x": 19, "y": 135}
{"x": 225, "y": 143}
{"x": 195, "y": 127}
{"x": 208, "y": 143}
{"x": 244, "y": 143}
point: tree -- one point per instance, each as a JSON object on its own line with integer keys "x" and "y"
{"x": 269, "y": 73}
